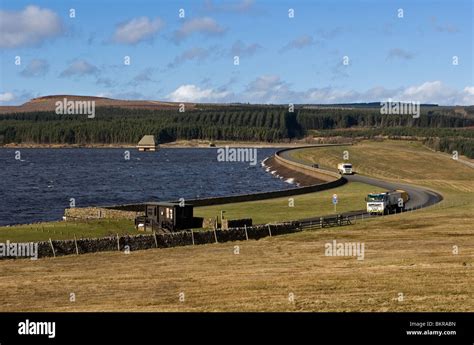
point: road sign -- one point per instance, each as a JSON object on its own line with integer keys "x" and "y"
{"x": 334, "y": 202}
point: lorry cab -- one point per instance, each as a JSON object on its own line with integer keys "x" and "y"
{"x": 345, "y": 168}
{"x": 376, "y": 203}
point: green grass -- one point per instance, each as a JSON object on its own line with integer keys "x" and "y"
{"x": 66, "y": 230}
{"x": 391, "y": 159}
{"x": 350, "y": 197}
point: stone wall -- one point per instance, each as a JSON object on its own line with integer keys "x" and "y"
{"x": 209, "y": 223}
{"x": 236, "y": 223}
{"x": 168, "y": 240}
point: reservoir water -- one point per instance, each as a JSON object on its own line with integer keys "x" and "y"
{"x": 38, "y": 184}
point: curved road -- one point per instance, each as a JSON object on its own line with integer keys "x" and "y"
{"x": 419, "y": 196}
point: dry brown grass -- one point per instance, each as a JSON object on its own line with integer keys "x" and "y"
{"x": 409, "y": 254}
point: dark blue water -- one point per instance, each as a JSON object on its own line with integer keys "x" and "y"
{"x": 40, "y": 185}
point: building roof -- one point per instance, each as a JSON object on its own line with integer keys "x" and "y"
{"x": 147, "y": 141}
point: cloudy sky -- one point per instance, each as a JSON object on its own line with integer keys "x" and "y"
{"x": 319, "y": 51}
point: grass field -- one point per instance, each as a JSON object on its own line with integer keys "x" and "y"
{"x": 393, "y": 160}
{"x": 67, "y": 230}
{"x": 350, "y": 198}
{"x": 416, "y": 261}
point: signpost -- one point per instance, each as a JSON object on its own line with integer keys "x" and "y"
{"x": 334, "y": 201}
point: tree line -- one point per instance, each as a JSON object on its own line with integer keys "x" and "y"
{"x": 113, "y": 125}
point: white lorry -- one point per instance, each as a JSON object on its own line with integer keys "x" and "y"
{"x": 345, "y": 168}
{"x": 387, "y": 202}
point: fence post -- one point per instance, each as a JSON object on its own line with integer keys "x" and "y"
{"x": 52, "y": 247}
{"x": 75, "y": 243}
{"x": 321, "y": 222}
{"x": 246, "y": 234}
{"x": 154, "y": 236}
{"x": 118, "y": 243}
{"x": 192, "y": 236}
{"x": 269, "y": 230}
{"x": 215, "y": 235}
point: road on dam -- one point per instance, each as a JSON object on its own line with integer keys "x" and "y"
{"x": 419, "y": 197}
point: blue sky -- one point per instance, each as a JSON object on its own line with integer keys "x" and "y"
{"x": 281, "y": 59}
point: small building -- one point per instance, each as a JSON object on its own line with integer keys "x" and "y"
{"x": 171, "y": 216}
{"x": 147, "y": 143}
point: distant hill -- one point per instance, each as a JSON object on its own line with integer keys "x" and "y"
{"x": 47, "y": 103}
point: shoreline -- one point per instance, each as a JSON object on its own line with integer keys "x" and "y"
{"x": 175, "y": 144}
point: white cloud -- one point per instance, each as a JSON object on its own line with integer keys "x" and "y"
{"x": 7, "y": 97}
{"x": 271, "y": 89}
{"x": 268, "y": 89}
{"x": 204, "y": 25}
{"x": 30, "y": 26}
{"x": 449, "y": 28}
{"x": 242, "y": 6}
{"x": 398, "y": 53}
{"x": 35, "y": 68}
{"x": 467, "y": 96}
{"x": 330, "y": 95}
{"x": 298, "y": 43}
{"x": 239, "y": 48}
{"x": 79, "y": 68}
{"x": 137, "y": 30}
{"x": 144, "y": 76}
{"x": 264, "y": 82}
{"x": 330, "y": 34}
{"x": 192, "y": 93}
{"x": 107, "y": 82}
{"x": 195, "y": 53}
{"x": 429, "y": 92}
